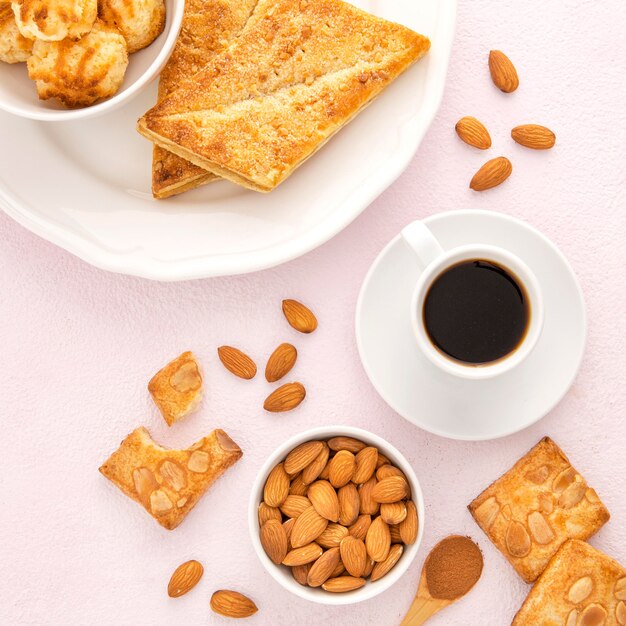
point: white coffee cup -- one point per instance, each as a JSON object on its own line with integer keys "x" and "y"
{"x": 435, "y": 261}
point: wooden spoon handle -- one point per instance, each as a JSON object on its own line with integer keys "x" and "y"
{"x": 422, "y": 609}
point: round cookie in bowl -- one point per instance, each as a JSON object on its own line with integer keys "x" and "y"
{"x": 336, "y": 515}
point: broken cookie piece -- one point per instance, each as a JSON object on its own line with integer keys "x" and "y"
{"x": 580, "y": 587}
{"x": 177, "y": 388}
{"x": 169, "y": 483}
{"x": 540, "y": 503}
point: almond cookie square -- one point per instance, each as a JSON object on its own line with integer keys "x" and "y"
{"x": 580, "y": 587}
{"x": 177, "y": 388}
{"x": 540, "y": 503}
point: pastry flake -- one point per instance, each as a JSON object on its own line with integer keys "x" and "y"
{"x": 541, "y": 502}
{"x": 208, "y": 27}
{"x": 177, "y": 388}
{"x": 291, "y": 80}
{"x": 581, "y": 586}
{"x": 169, "y": 483}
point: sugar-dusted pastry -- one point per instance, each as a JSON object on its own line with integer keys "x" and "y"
{"x": 177, "y": 388}
{"x": 54, "y": 20}
{"x": 139, "y": 21}
{"x": 208, "y": 27}
{"x": 169, "y": 483}
{"x": 536, "y": 506}
{"x": 79, "y": 73}
{"x": 14, "y": 47}
{"x": 580, "y": 587}
{"x": 300, "y": 71}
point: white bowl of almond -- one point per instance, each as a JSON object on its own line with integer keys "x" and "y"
{"x": 336, "y": 515}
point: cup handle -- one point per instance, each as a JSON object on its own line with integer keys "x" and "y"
{"x": 422, "y": 242}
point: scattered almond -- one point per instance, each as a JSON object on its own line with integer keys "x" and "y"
{"x": 473, "y": 133}
{"x": 280, "y": 362}
{"x": 236, "y": 362}
{"x": 232, "y": 604}
{"x": 491, "y": 174}
{"x": 503, "y": 72}
{"x": 299, "y": 317}
{"x": 534, "y": 136}
{"x": 302, "y": 455}
{"x": 285, "y": 398}
{"x": 274, "y": 540}
{"x": 341, "y": 584}
{"x": 184, "y": 578}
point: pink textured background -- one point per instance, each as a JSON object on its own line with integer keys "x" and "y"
{"x": 78, "y": 346}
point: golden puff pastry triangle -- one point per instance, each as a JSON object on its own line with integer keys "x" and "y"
{"x": 208, "y": 27}
{"x": 168, "y": 483}
{"x": 299, "y": 72}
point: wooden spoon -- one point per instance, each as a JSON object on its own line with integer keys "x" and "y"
{"x": 424, "y": 605}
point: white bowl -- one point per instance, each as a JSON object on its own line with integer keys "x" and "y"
{"x": 19, "y": 96}
{"x": 281, "y": 573}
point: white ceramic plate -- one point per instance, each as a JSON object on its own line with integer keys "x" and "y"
{"x": 447, "y": 405}
{"x": 85, "y": 185}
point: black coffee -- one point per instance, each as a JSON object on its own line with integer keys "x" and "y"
{"x": 476, "y": 312}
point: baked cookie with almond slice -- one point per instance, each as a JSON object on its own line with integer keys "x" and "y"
{"x": 580, "y": 587}
{"x": 540, "y": 503}
{"x": 177, "y": 388}
{"x": 168, "y": 483}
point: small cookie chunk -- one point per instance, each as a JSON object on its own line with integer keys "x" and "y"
{"x": 580, "y": 587}
{"x": 536, "y": 506}
{"x": 169, "y": 483}
{"x": 139, "y": 21}
{"x": 79, "y": 73}
{"x": 177, "y": 388}
{"x": 54, "y": 20}
{"x": 14, "y": 47}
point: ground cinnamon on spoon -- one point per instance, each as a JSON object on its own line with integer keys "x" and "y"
{"x": 453, "y": 567}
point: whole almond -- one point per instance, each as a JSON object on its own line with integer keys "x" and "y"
{"x": 302, "y": 455}
{"x": 368, "y": 506}
{"x": 349, "y": 504}
{"x": 267, "y": 512}
{"x": 384, "y": 567}
{"x": 360, "y": 527}
{"x": 274, "y": 540}
{"x": 324, "y": 498}
{"x": 322, "y": 568}
{"x": 308, "y": 526}
{"x": 378, "y": 540}
{"x": 237, "y": 362}
{"x": 298, "y": 488}
{"x": 389, "y": 470}
{"x": 353, "y": 555}
{"x": 285, "y": 398}
{"x": 332, "y": 536}
{"x": 325, "y": 472}
{"x": 473, "y": 133}
{"x": 232, "y": 604}
{"x": 305, "y": 554}
{"x": 394, "y": 531}
{"x": 491, "y": 174}
{"x": 339, "y": 570}
{"x": 369, "y": 566}
{"x": 503, "y": 72}
{"x": 313, "y": 470}
{"x": 341, "y": 584}
{"x": 534, "y": 136}
{"x": 366, "y": 460}
{"x": 276, "y": 487}
{"x": 299, "y": 317}
{"x": 288, "y": 526}
{"x": 294, "y": 506}
{"x": 341, "y": 468}
{"x": 390, "y": 489}
{"x": 409, "y": 527}
{"x": 280, "y": 362}
{"x": 301, "y": 573}
{"x": 184, "y": 578}
{"x": 346, "y": 443}
{"x": 382, "y": 460}
{"x": 393, "y": 512}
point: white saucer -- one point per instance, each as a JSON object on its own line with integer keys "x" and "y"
{"x": 444, "y": 404}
